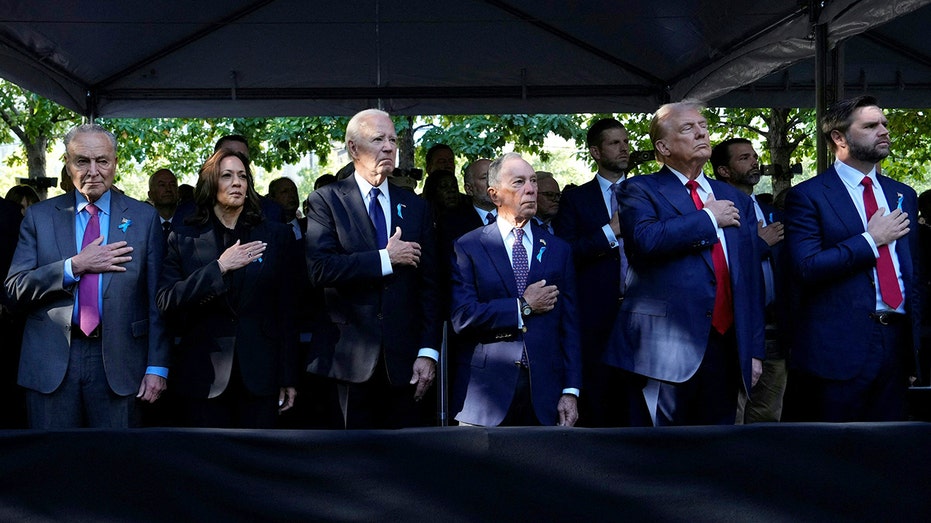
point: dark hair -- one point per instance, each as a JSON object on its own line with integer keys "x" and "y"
{"x": 594, "y": 138}
{"x": 18, "y": 192}
{"x": 208, "y": 183}
{"x": 721, "y": 154}
{"x": 839, "y": 116}
{"x": 323, "y": 180}
{"x": 431, "y": 152}
{"x": 231, "y": 138}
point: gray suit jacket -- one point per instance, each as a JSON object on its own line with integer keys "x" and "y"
{"x": 132, "y": 337}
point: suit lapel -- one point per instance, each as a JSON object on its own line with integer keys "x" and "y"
{"x": 114, "y": 234}
{"x": 497, "y": 252}
{"x": 64, "y": 227}
{"x": 253, "y": 270}
{"x": 538, "y": 255}
{"x": 360, "y": 223}
{"x": 396, "y": 211}
{"x": 671, "y": 188}
{"x": 837, "y": 196}
{"x": 902, "y": 250}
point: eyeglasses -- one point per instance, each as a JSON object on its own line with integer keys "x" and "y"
{"x": 553, "y": 196}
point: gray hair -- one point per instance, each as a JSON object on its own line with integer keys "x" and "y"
{"x": 494, "y": 170}
{"x": 89, "y": 128}
{"x": 657, "y": 129}
{"x": 354, "y": 127}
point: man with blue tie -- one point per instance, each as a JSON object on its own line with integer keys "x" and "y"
{"x": 514, "y": 307}
{"x": 371, "y": 248}
{"x": 691, "y": 323}
{"x": 94, "y": 339}
{"x": 855, "y": 267}
{"x": 588, "y": 220}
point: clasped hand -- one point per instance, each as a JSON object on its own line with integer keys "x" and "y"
{"x": 98, "y": 258}
{"x": 239, "y": 255}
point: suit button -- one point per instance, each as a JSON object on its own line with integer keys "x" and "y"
{"x": 380, "y": 316}
{"x": 708, "y": 314}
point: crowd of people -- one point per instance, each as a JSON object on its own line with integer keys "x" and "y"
{"x": 673, "y": 298}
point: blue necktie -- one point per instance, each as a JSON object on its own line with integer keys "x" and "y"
{"x": 378, "y": 218}
{"x": 521, "y": 263}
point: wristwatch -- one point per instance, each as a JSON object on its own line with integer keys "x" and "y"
{"x": 525, "y": 309}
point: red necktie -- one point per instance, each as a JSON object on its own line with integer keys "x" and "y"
{"x": 88, "y": 315}
{"x": 888, "y": 281}
{"x": 722, "y": 317}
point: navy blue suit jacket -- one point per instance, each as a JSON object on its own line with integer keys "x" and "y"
{"x": 485, "y": 314}
{"x": 663, "y": 326}
{"x": 369, "y": 312}
{"x": 833, "y": 272}
{"x": 582, "y": 214}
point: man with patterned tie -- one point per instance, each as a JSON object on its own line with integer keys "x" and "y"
{"x": 514, "y": 307}
{"x": 588, "y": 220}
{"x": 371, "y": 247}
{"x": 854, "y": 259}
{"x": 94, "y": 340}
{"x": 691, "y": 323}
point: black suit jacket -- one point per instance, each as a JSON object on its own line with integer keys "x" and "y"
{"x": 246, "y": 313}
{"x": 370, "y": 314}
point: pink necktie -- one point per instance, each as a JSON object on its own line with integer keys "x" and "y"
{"x": 87, "y": 287}
{"x": 888, "y": 281}
{"x": 722, "y": 317}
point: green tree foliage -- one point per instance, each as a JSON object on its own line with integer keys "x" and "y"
{"x": 35, "y": 122}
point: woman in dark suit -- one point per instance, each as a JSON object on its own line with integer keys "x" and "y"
{"x": 225, "y": 292}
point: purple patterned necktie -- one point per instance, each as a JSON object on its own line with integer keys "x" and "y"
{"x": 521, "y": 263}
{"x": 88, "y": 314}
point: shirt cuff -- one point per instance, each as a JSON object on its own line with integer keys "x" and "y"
{"x": 385, "y": 262}
{"x": 609, "y": 235}
{"x": 428, "y": 353}
{"x": 572, "y": 391}
{"x": 869, "y": 239}
{"x": 713, "y": 220}
{"x": 520, "y": 316}
{"x": 70, "y": 278}
{"x": 158, "y": 371}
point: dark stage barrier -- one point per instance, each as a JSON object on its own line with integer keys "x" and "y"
{"x": 787, "y": 472}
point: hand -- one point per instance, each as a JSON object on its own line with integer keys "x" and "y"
{"x": 616, "y": 224}
{"x": 151, "y": 388}
{"x": 97, "y": 258}
{"x": 756, "y": 370}
{"x": 889, "y": 228}
{"x": 239, "y": 255}
{"x": 401, "y": 252}
{"x": 568, "y": 408}
{"x": 724, "y": 211}
{"x": 286, "y": 397}
{"x": 772, "y": 233}
{"x": 424, "y": 373}
{"x": 540, "y": 296}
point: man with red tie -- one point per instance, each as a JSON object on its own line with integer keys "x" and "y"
{"x": 854, "y": 260}
{"x": 691, "y": 323}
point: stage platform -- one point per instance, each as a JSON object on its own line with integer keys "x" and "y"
{"x": 779, "y": 472}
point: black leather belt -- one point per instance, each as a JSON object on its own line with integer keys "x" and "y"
{"x": 77, "y": 333}
{"x": 887, "y": 318}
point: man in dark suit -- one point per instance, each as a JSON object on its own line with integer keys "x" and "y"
{"x": 855, "y": 265}
{"x": 163, "y": 195}
{"x": 514, "y": 306}
{"x": 736, "y": 162}
{"x": 94, "y": 337}
{"x": 692, "y": 318}
{"x": 371, "y": 247}
{"x": 588, "y": 220}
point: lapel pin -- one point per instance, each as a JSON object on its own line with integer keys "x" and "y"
{"x": 401, "y": 206}
{"x": 124, "y": 224}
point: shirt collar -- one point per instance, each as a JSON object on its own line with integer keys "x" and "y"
{"x": 365, "y": 187}
{"x": 702, "y": 181}
{"x": 605, "y": 183}
{"x": 505, "y": 228}
{"x": 851, "y": 176}
{"x": 102, "y": 203}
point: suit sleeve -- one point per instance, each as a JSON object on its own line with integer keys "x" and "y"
{"x": 27, "y": 281}
{"x": 431, "y": 330}
{"x": 329, "y": 262}
{"x": 178, "y": 291}
{"x": 813, "y": 257}
{"x": 159, "y": 344}
{"x": 570, "y": 335}
{"x": 648, "y": 236}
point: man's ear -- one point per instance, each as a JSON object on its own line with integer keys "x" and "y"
{"x": 493, "y": 195}
{"x": 595, "y": 152}
{"x": 723, "y": 172}
{"x": 840, "y": 140}
{"x": 351, "y": 149}
{"x": 661, "y": 148}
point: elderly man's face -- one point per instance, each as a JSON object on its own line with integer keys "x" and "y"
{"x": 515, "y": 193}
{"x": 547, "y": 198}
{"x": 91, "y": 161}
{"x": 685, "y": 137}
{"x": 285, "y": 194}
{"x": 373, "y": 154}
